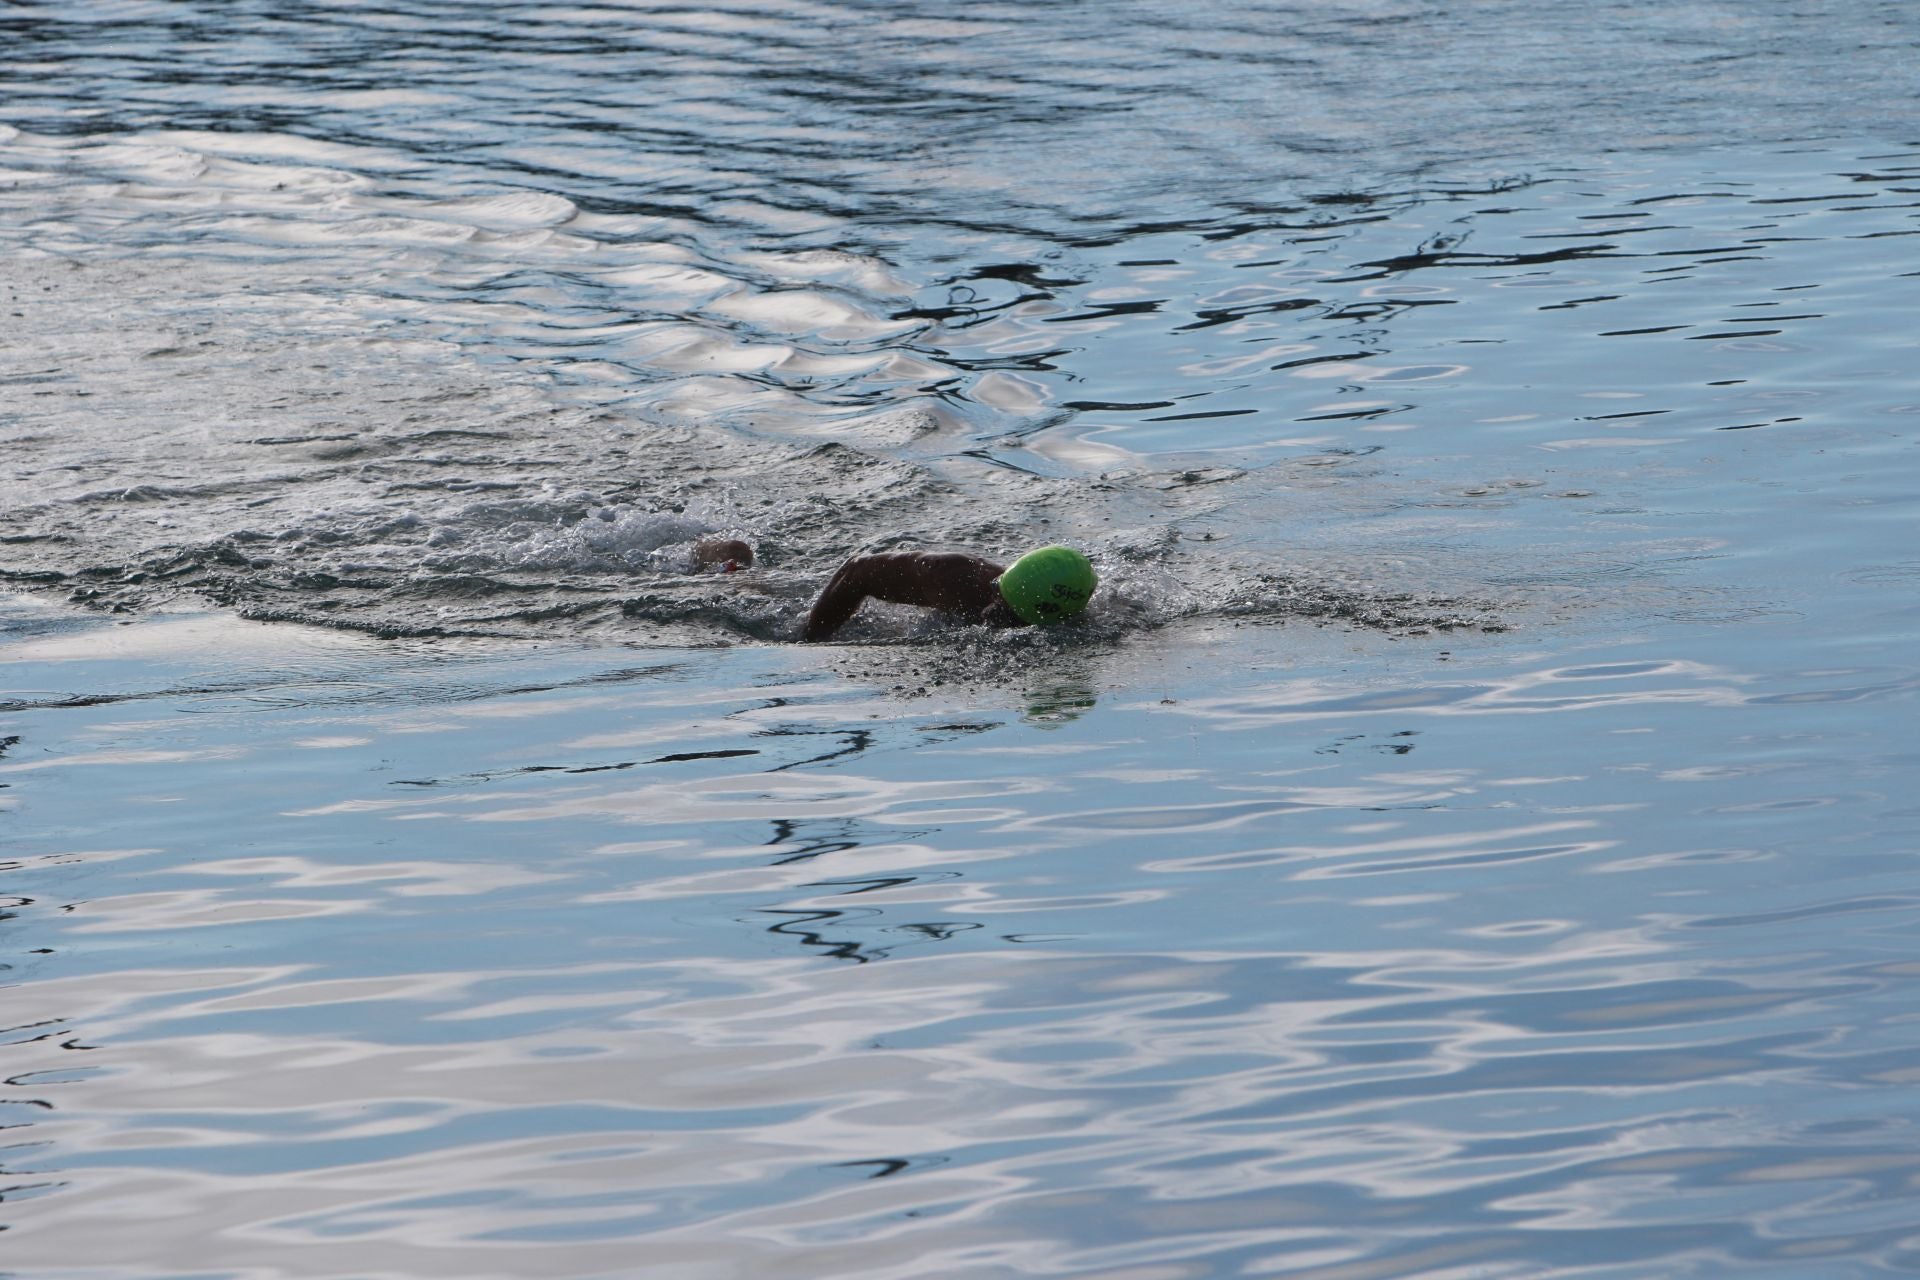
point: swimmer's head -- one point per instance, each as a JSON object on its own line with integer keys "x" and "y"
{"x": 1047, "y": 586}
{"x": 728, "y": 555}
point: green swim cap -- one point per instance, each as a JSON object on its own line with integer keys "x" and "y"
{"x": 1048, "y": 585}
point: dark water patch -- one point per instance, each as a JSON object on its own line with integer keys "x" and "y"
{"x": 1800, "y": 913}
{"x": 677, "y": 757}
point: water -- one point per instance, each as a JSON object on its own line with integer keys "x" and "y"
{"x": 1471, "y": 836}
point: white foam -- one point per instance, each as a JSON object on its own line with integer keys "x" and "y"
{"x": 510, "y": 212}
{"x": 812, "y": 312}
{"x": 277, "y": 145}
{"x": 568, "y": 533}
{"x": 832, "y": 266}
{"x": 685, "y": 281}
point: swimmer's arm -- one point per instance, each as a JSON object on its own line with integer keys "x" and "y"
{"x": 838, "y": 600}
{"x": 958, "y": 584}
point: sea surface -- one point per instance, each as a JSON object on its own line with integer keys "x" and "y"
{"x": 1474, "y": 833}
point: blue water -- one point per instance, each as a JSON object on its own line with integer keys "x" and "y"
{"x": 1472, "y": 835}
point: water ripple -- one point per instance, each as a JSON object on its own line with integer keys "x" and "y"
{"x": 1469, "y": 836}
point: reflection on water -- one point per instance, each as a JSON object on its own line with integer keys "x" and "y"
{"x": 1470, "y": 836}
{"x": 1534, "y": 967}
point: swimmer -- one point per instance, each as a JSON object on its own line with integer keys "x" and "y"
{"x": 1040, "y": 588}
